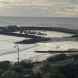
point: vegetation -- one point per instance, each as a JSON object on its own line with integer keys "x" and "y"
{"x": 60, "y": 66}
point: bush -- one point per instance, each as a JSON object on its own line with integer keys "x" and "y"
{"x": 53, "y": 67}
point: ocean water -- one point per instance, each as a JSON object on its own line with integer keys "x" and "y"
{"x": 68, "y": 22}
{"x": 7, "y": 42}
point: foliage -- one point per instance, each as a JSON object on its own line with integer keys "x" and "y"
{"x": 58, "y": 68}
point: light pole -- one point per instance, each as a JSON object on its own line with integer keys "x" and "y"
{"x": 17, "y": 48}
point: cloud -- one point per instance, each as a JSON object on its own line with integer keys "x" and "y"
{"x": 48, "y": 3}
{"x": 45, "y": 7}
{"x": 14, "y": 3}
{"x": 64, "y": 8}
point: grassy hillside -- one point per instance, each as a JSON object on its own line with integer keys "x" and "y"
{"x": 59, "y": 66}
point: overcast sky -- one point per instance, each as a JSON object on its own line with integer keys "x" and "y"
{"x": 38, "y": 8}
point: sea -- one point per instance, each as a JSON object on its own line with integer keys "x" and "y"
{"x": 67, "y": 22}
{"x": 7, "y": 43}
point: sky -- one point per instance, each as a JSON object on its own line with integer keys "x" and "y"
{"x": 38, "y": 8}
